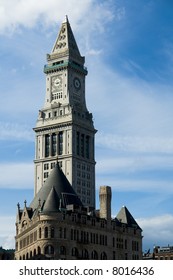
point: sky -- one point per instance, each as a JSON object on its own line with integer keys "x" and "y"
{"x": 128, "y": 48}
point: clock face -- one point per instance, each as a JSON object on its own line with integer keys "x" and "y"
{"x": 56, "y": 83}
{"x": 77, "y": 83}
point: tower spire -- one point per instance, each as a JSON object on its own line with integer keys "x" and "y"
{"x": 65, "y": 44}
{"x": 66, "y": 18}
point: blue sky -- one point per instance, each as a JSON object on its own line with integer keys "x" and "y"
{"x": 128, "y": 46}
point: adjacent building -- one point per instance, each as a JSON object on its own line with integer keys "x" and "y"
{"x": 62, "y": 222}
{"x": 163, "y": 253}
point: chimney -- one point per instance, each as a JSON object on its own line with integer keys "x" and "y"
{"x": 105, "y": 196}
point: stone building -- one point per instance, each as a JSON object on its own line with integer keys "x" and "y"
{"x": 163, "y": 253}
{"x": 159, "y": 253}
{"x": 62, "y": 222}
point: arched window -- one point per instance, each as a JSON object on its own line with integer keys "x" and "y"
{"x": 94, "y": 255}
{"x": 103, "y": 256}
{"x": 34, "y": 252}
{"x": 39, "y": 250}
{"x": 30, "y": 254}
{"x": 49, "y": 250}
{"x": 46, "y": 232}
{"x": 74, "y": 252}
{"x": 27, "y": 256}
{"x": 52, "y": 232}
{"x": 62, "y": 250}
{"x": 85, "y": 254}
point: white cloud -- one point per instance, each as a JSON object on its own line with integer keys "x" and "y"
{"x": 17, "y": 175}
{"x": 16, "y": 13}
{"x": 138, "y": 185}
{"x": 129, "y": 106}
{"x": 133, "y": 143}
{"x": 15, "y": 131}
{"x": 7, "y": 231}
{"x": 157, "y": 230}
{"x": 133, "y": 163}
{"x": 89, "y": 18}
{"x": 135, "y": 137}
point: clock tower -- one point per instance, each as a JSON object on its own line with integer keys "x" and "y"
{"x": 64, "y": 129}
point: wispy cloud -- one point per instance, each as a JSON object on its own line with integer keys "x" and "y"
{"x": 157, "y": 230}
{"x": 131, "y": 106}
{"x": 15, "y": 132}
{"x": 30, "y": 14}
{"x": 132, "y": 112}
{"x": 138, "y": 185}
{"x": 136, "y": 144}
{"x": 133, "y": 163}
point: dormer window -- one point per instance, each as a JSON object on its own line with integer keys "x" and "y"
{"x": 24, "y": 223}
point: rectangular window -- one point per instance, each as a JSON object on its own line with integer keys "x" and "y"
{"x": 64, "y": 233}
{"x": 113, "y": 242}
{"x": 46, "y": 174}
{"x": 47, "y": 145}
{"x": 71, "y": 234}
{"x": 60, "y": 138}
{"x": 87, "y": 146}
{"x": 126, "y": 244}
{"x": 54, "y": 144}
{"x": 82, "y": 145}
{"x": 52, "y": 165}
{"x": 77, "y": 143}
{"x": 46, "y": 166}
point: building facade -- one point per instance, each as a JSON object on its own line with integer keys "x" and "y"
{"x": 159, "y": 253}
{"x": 61, "y": 222}
{"x": 163, "y": 253}
{"x": 64, "y": 128}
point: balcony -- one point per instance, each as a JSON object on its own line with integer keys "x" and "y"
{"x": 48, "y": 68}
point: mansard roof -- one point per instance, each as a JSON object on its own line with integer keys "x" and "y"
{"x": 56, "y": 193}
{"x": 125, "y": 217}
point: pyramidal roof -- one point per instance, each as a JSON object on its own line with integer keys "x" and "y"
{"x": 56, "y": 192}
{"x": 65, "y": 43}
{"x": 52, "y": 202}
{"x": 125, "y": 217}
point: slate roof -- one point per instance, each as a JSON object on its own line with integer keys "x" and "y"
{"x": 56, "y": 193}
{"x": 52, "y": 202}
{"x": 125, "y": 217}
